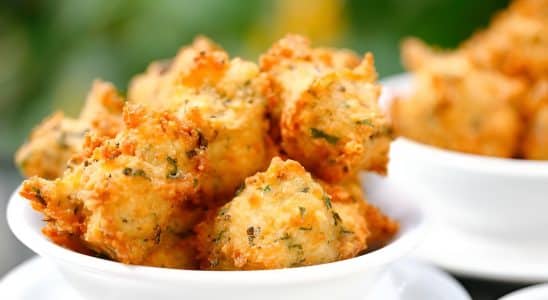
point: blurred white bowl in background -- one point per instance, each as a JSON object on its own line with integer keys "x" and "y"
{"x": 500, "y": 198}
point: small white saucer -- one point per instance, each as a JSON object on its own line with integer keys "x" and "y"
{"x": 483, "y": 257}
{"x": 37, "y": 278}
{"x": 412, "y": 280}
{"x": 536, "y": 292}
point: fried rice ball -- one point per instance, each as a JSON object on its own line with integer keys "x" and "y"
{"x": 131, "y": 195}
{"x": 225, "y": 99}
{"x": 458, "y": 106}
{"x": 328, "y": 113}
{"x": 53, "y": 143}
{"x": 281, "y": 218}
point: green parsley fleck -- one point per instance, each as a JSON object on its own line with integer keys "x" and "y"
{"x": 318, "y": 134}
{"x": 134, "y": 172}
{"x": 284, "y": 237}
{"x": 252, "y": 233}
{"x": 296, "y": 246}
{"x": 219, "y": 236}
{"x": 367, "y": 122}
{"x": 127, "y": 171}
{"x": 174, "y": 172}
{"x": 38, "y": 195}
{"x": 139, "y": 172}
{"x": 327, "y": 201}
{"x": 240, "y": 189}
{"x": 337, "y": 218}
{"x": 191, "y": 153}
{"x": 302, "y": 211}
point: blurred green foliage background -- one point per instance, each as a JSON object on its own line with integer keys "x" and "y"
{"x": 50, "y": 51}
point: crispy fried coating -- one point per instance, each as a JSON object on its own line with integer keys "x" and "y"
{"x": 174, "y": 251}
{"x": 516, "y": 44}
{"x": 485, "y": 97}
{"x": 535, "y": 111}
{"x": 225, "y": 99}
{"x": 535, "y": 145}
{"x": 281, "y": 218}
{"x": 536, "y": 99}
{"x": 292, "y": 65}
{"x": 56, "y": 140}
{"x": 365, "y": 227}
{"x": 457, "y": 105}
{"x": 131, "y": 192}
{"x": 50, "y": 146}
{"x": 150, "y": 181}
{"x": 516, "y": 41}
{"x": 146, "y": 88}
{"x": 381, "y": 228}
{"x": 103, "y": 108}
{"x": 335, "y": 128}
{"x": 326, "y": 104}
{"x": 348, "y": 201}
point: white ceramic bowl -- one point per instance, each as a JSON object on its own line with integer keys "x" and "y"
{"x": 500, "y": 198}
{"x": 535, "y": 292}
{"x": 96, "y": 278}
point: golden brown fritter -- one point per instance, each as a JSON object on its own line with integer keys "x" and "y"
{"x": 143, "y": 88}
{"x": 536, "y": 99}
{"x": 175, "y": 251}
{"x": 146, "y": 88}
{"x": 103, "y": 108}
{"x": 348, "y": 201}
{"x": 327, "y": 109}
{"x": 494, "y": 85}
{"x": 52, "y": 143}
{"x": 292, "y": 65}
{"x": 225, "y": 99}
{"x": 516, "y": 41}
{"x": 535, "y": 145}
{"x": 131, "y": 192}
{"x": 50, "y": 146}
{"x": 381, "y": 228}
{"x": 193, "y": 130}
{"x": 281, "y": 218}
{"x": 336, "y": 128}
{"x": 365, "y": 227}
{"x": 458, "y": 106}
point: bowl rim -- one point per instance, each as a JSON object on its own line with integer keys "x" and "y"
{"x": 459, "y": 160}
{"x": 474, "y": 162}
{"x": 30, "y": 235}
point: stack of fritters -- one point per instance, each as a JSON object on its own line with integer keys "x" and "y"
{"x": 489, "y": 96}
{"x": 178, "y": 175}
